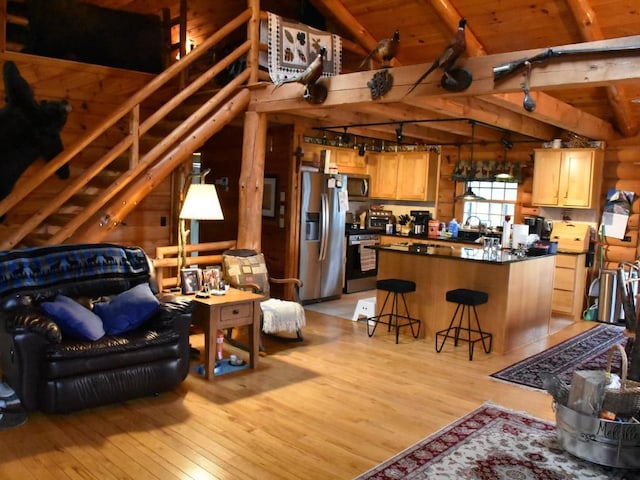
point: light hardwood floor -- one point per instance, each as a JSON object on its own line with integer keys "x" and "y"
{"x": 329, "y": 408}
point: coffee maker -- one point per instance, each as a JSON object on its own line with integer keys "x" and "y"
{"x": 547, "y": 228}
{"x": 421, "y": 221}
{"x": 535, "y": 225}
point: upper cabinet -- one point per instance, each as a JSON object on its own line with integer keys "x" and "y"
{"x": 347, "y": 160}
{"x": 567, "y": 177}
{"x": 404, "y": 176}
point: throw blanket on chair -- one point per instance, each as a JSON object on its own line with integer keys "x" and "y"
{"x": 281, "y": 316}
{"x": 292, "y": 46}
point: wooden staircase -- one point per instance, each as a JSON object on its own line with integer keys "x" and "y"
{"x": 153, "y": 133}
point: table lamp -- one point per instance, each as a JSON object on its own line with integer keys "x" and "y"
{"x": 200, "y": 203}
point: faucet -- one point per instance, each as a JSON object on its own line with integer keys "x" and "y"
{"x": 467, "y": 221}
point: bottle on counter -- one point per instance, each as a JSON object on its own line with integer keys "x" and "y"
{"x": 453, "y": 228}
{"x": 506, "y": 232}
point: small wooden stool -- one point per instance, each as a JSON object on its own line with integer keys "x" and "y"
{"x": 396, "y": 287}
{"x": 467, "y": 299}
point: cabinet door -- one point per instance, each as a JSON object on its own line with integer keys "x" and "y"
{"x": 546, "y": 177}
{"x": 576, "y": 179}
{"x": 413, "y": 170}
{"x": 383, "y": 169}
{"x": 348, "y": 161}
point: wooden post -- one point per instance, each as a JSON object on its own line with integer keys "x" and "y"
{"x": 251, "y": 181}
{"x": 253, "y": 35}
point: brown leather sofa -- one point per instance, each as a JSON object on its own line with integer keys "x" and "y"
{"x": 54, "y": 371}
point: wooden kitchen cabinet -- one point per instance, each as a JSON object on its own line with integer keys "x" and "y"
{"x": 347, "y": 160}
{"x": 569, "y": 284}
{"x": 567, "y": 177}
{"x": 383, "y": 170}
{"x": 404, "y": 176}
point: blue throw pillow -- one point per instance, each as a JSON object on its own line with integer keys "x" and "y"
{"x": 128, "y": 310}
{"x": 74, "y": 319}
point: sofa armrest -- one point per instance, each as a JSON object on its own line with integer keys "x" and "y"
{"x": 169, "y": 312}
{"x": 32, "y": 320}
{"x": 26, "y": 335}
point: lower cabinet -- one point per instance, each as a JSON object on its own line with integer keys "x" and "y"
{"x": 569, "y": 285}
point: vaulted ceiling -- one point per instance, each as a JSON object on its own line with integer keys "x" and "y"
{"x": 596, "y": 95}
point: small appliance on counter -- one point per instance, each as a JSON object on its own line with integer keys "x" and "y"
{"x": 420, "y": 221}
{"x": 378, "y": 219}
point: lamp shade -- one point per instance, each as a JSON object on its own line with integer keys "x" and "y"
{"x": 469, "y": 195}
{"x": 201, "y": 203}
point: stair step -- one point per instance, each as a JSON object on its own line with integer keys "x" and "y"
{"x": 36, "y": 239}
{"x": 60, "y": 219}
{"x": 17, "y": 20}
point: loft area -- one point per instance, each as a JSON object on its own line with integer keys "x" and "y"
{"x": 71, "y": 30}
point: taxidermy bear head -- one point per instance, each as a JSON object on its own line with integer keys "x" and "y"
{"x": 28, "y": 130}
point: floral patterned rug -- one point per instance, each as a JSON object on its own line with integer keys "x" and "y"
{"x": 492, "y": 443}
{"x": 586, "y": 351}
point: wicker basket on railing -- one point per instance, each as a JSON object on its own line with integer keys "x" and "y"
{"x": 625, "y": 400}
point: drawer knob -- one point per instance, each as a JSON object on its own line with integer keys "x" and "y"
{"x": 236, "y": 311}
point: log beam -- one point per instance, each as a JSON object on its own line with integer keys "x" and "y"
{"x": 618, "y": 98}
{"x": 251, "y": 181}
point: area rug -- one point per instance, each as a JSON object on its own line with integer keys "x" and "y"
{"x": 492, "y": 443}
{"x": 586, "y": 351}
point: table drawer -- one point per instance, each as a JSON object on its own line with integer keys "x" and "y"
{"x": 239, "y": 313}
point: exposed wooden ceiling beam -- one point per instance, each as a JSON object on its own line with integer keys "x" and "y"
{"x": 471, "y": 108}
{"x": 451, "y": 17}
{"x": 338, "y": 12}
{"x": 618, "y": 98}
{"x": 549, "y": 110}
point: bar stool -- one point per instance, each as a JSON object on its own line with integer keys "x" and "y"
{"x": 395, "y": 287}
{"x": 467, "y": 299}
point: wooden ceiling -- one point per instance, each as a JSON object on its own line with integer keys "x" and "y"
{"x": 591, "y": 95}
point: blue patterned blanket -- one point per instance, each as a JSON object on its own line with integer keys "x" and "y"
{"x": 39, "y": 267}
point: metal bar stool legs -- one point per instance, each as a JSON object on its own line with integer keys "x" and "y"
{"x": 393, "y": 319}
{"x": 467, "y": 299}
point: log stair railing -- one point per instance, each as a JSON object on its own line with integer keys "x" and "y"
{"x": 97, "y": 199}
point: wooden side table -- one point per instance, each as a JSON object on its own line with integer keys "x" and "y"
{"x": 236, "y": 308}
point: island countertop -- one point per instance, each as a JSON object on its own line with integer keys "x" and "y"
{"x": 520, "y": 290}
{"x": 500, "y": 257}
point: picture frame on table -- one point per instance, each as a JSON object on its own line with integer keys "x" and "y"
{"x": 269, "y": 197}
{"x": 191, "y": 280}
{"x": 211, "y": 277}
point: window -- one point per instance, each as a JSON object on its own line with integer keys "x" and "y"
{"x": 500, "y": 200}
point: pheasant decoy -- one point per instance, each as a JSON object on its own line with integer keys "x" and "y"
{"x": 384, "y": 51}
{"x": 450, "y": 54}
{"x": 310, "y": 75}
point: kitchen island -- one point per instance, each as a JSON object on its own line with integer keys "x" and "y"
{"x": 520, "y": 289}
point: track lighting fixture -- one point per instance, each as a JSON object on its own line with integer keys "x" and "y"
{"x": 399, "y": 135}
{"x": 345, "y": 137}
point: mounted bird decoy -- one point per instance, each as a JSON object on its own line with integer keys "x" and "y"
{"x": 313, "y": 92}
{"x": 385, "y": 51}
{"x": 454, "y": 79}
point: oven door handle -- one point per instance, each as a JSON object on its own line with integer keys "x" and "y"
{"x": 324, "y": 234}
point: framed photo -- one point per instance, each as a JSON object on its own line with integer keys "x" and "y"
{"x": 269, "y": 197}
{"x": 211, "y": 277}
{"x": 191, "y": 280}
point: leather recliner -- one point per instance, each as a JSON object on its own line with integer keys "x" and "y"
{"x": 53, "y": 372}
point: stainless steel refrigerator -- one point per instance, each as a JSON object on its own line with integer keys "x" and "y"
{"x": 322, "y": 224}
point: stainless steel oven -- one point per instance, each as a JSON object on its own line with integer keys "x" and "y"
{"x": 361, "y": 263}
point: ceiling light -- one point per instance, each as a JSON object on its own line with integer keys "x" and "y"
{"x": 345, "y": 137}
{"x": 469, "y": 195}
{"x": 399, "y": 135}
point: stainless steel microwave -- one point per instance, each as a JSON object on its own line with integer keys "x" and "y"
{"x": 358, "y": 186}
